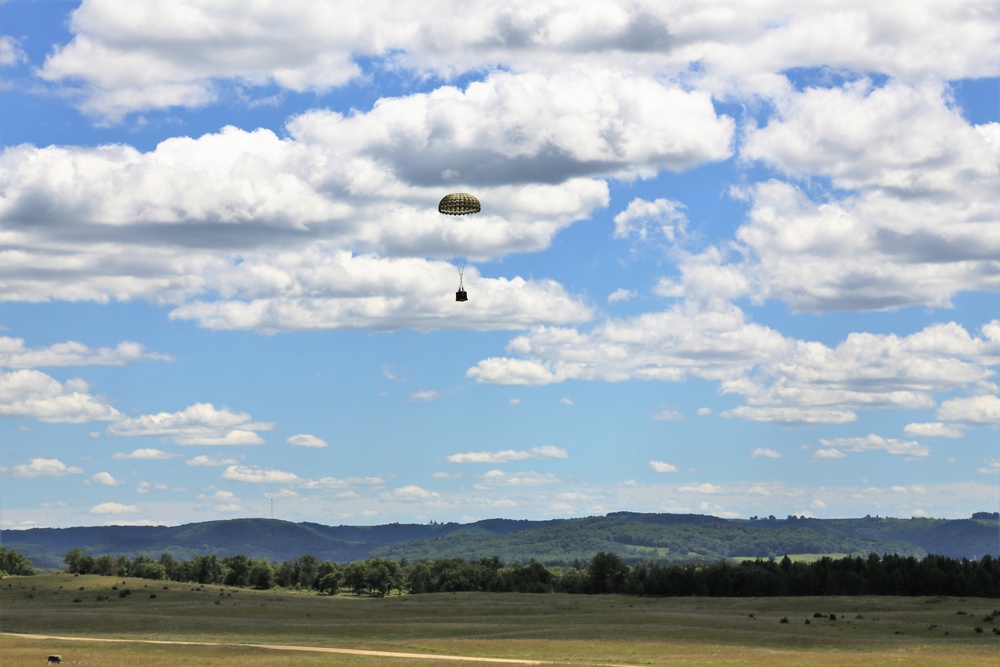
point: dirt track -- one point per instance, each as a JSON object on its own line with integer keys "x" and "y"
{"x": 312, "y": 649}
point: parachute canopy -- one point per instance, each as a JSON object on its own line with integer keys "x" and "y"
{"x": 459, "y": 203}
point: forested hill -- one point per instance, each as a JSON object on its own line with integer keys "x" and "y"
{"x": 634, "y": 537}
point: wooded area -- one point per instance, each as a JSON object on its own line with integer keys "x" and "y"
{"x": 888, "y": 574}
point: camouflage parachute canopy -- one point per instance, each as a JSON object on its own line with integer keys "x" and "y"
{"x": 459, "y": 203}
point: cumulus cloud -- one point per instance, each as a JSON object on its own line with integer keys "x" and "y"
{"x": 828, "y": 453}
{"x": 208, "y": 461}
{"x": 984, "y": 409}
{"x": 766, "y": 453}
{"x": 882, "y": 245}
{"x": 117, "y": 63}
{"x": 933, "y": 430}
{"x": 508, "y": 455}
{"x": 668, "y": 414}
{"x": 11, "y": 52}
{"x": 105, "y": 479}
{"x": 306, "y": 440}
{"x": 147, "y": 453}
{"x": 425, "y": 395}
{"x": 149, "y": 487}
{"x": 873, "y": 442}
{"x": 700, "y": 488}
{"x": 660, "y": 466}
{"x": 651, "y": 220}
{"x": 258, "y": 475}
{"x": 14, "y": 354}
{"x": 33, "y": 394}
{"x": 45, "y": 467}
{"x": 308, "y": 248}
{"x": 113, "y": 508}
{"x": 412, "y": 493}
{"x": 500, "y": 478}
{"x": 198, "y": 424}
{"x": 782, "y": 380}
{"x": 621, "y": 294}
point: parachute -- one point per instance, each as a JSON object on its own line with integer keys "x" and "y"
{"x": 459, "y": 203}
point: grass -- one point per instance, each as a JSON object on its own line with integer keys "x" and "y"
{"x": 562, "y": 628}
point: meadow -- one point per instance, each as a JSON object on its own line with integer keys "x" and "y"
{"x": 568, "y": 629}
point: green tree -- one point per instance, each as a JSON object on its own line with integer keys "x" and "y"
{"x": 145, "y": 567}
{"x": 261, "y": 574}
{"x": 329, "y": 583}
{"x": 606, "y": 573}
{"x": 14, "y": 563}
{"x": 237, "y": 570}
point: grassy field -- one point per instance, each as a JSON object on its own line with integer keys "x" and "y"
{"x": 561, "y": 628}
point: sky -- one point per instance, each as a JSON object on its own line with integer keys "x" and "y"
{"x": 733, "y": 258}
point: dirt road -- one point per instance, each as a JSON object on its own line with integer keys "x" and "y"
{"x": 312, "y": 649}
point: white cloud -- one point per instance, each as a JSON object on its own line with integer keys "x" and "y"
{"x": 649, "y": 221}
{"x": 208, "y": 461}
{"x": 11, "y": 52}
{"x": 874, "y": 442}
{"x": 668, "y": 414}
{"x": 621, "y": 294}
{"x": 425, "y": 395}
{"x": 565, "y": 400}
{"x": 933, "y": 430}
{"x": 149, "y": 487}
{"x": 198, "y": 424}
{"x": 45, "y": 467}
{"x": 306, "y": 440}
{"x": 258, "y": 475}
{"x": 660, "y": 466}
{"x": 685, "y": 341}
{"x": 508, "y": 455}
{"x": 984, "y": 409}
{"x": 146, "y": 454}
{"x": 118, "y": 67}
{"x": 766, "y": 453}
{"x": 358, "y": 268}
{"x": 502, "y": 370}
{"x": 992, "y": 467}
{"x": 14, "y": 354}
{"x": 700, "y": 488}
{"x": 105, "y": 479}
{"x": 783, "y": 380}
{"x": 495, "y": 478}
{"x": 33, "y": 394}
{"x": 113, "y": 508}
{"x": 828, "y": 453}
{"x": 413, "y": 493}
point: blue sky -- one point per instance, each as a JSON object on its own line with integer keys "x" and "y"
{"x": 731, "y": 260}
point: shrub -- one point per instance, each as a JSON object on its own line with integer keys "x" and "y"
{"x": 784, "y": 619}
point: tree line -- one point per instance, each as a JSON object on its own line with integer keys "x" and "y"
{"x": 889, "y": 574}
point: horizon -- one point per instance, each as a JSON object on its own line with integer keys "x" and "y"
{"x": 431, "y": 522}
{"x": 729, "y": 262}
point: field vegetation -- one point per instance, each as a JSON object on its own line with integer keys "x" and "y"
{"x": 568, "y": 629}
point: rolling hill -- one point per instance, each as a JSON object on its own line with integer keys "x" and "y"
{"x": 633, "y": 536}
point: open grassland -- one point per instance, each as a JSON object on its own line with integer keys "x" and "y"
{"x": 561, "y": 628}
